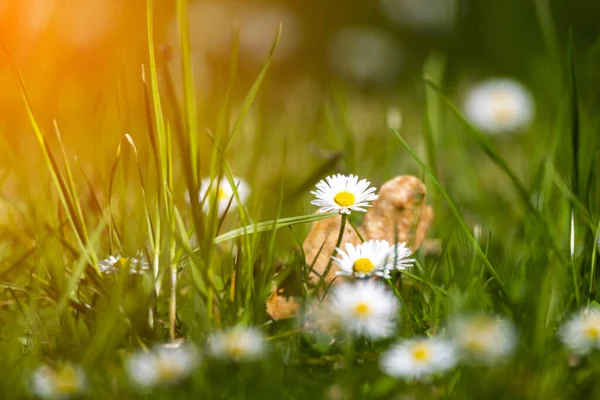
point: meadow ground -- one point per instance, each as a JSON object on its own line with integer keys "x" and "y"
{"x": 188, "y": 252}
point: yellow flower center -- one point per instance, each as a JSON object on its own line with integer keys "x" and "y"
{"x": 421, "y": 352}
{"x": 363, "y": 265}
{"x": 122, "y": 263}
{"x": 592, "y": 332}
{"x": 503, "y": 106}
{"x": 168, "y": 370}
{"x": 66, "y": 381}
{"x": 475, "y": 344}
{"x": 344, "y": 199}
{"x": 362, "y": 310}
{"x": 220, "y": 194}
{"x": 234, "y": 347}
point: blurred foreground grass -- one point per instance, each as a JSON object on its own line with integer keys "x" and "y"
{"x": 529, "y": 201}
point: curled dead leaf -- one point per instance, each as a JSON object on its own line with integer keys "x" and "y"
{"x": 398, "y": 215}
{"x": 319, "y": 246}
{"x": 280, "y": 307}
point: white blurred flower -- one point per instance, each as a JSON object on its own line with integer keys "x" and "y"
{"x": 393, "y": 118}
{"x": 114, "y": 264}
{"x": 258, "y": 29}
{"x": 581, "y": 333}
{"x": 317, "y": 319}
{"x": 238, "y": 344}
{"x": 343, "y": 194}
{"x": 365, "y": 309}
{"x": 398, "y": 258}
{"x": 365, "y": 55}
{"x": 483, "y": 339}
{"x": 60, "y": 382}
{"x": 221, "y": 192}
{"x": 363, "y": 260}
{"x": 423, "y": 15}
{"x": 499, "y": 105}
{"x": 162, "y": 366}
{"x": 418, "y": 358}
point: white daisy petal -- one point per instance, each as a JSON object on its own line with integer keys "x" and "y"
{"x": 222, "y": 193}
{"x": 483, "y": 339}
{"x": 115, "y": 263}
{"x": 499, "y": 105}
{"x": 418, "y": 358}
{"x": 365, "y": 309}
{"x": 63, "y": 381}
{"x": 363, "y": 260}
{"x": 398, "y": 257}
{"x": 163, "y": 366}
{"x": 581, "y": 333}
{"x": 343, "y": 194}
{"x": 238, "y": 344}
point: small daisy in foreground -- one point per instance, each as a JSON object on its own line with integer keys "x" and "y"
{"x": 499, "y": 105}
{"x": 581, "y": 333}
{"x": 60, "y": 382}
{"x": 398, "y": 258}
{"x": 162, "y": 366}
{"x": 365, "y": 309}
{"x": 114, "y": 264}
{"x": 363, "y": 260}
{"x": 484, "y": 339}
{"x": 343, "y": 194}
{"x": 418, "y": 358}
{"x": 238, "y": 344}
{"x": 221, "y": 192}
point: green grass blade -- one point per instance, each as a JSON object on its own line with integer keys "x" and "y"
{"x": 189, "y": 91}
{"x": 457, "y": 215}
{"x": 66, "y": 197}
{"x": 486, "y": 146}
{"x": 253, "y": 92}
{"x": 271, "y": 225}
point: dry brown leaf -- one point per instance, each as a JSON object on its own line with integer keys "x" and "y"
{"x": 400, "y": 214}
{"x": 319, "y": 245}
{"x": 280, "y": 307}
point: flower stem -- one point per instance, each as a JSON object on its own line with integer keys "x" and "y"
{"x": 337, "y": 245}
{"x": 357, "y": 231}
{"x": 349, "y": 357}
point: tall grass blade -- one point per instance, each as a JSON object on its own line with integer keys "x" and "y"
{"x": 253, "y": 92}
{"x": 457, "y": 215}
{"x": 272, "y": 225}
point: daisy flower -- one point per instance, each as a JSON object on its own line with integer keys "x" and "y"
{"x": 418, "y": 358}
{"x": 221, "y": 192}
{"x": 365, "y": 309}
{"x": 364, "y": 260}
{"x": 581, "y": 333}
{"x": 343, "y": 194}
{"x": 499, "y": 105}
{"x": 398, "y": 258}
{"x": 60, "y": 382}
{"x": 113, "y": 264}
{"x": 237, "y": 344}
{"x": 162, "y": 366}
{"x": 483, "y": 339}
